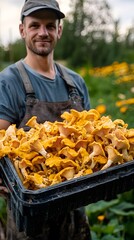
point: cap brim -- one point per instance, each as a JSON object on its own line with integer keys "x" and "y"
{"x": 31, "y": 10}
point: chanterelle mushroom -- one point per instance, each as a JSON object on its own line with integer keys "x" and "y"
{"x": 68, "y": 152}
{"x": 37, "y": 146}
{"x": 96, "y": 151}
{"x": 33, "y": 123}
{"x": 52, "y": 152}
{"x": 113, "y": 157}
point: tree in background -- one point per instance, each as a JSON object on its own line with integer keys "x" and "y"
{"x": 12, "y": 53}
{"x": 88, "y": 27}
{"x": 128, "y": 53}
{"x": 90, "y": 37}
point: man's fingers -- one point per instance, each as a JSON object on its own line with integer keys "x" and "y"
{"x": 3, "y": 190}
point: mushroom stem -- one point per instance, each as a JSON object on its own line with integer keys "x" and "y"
{"x": 107, "y": 165}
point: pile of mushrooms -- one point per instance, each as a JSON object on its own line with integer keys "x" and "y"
{"x": 83, "y": 143}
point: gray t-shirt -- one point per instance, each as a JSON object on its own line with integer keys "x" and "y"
{"x": 13, "y": 96}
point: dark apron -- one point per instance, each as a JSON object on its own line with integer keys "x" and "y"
{"x": 73, "y": 225}
{"x": 48, "y": 111}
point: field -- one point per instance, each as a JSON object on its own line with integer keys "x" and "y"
{"x": 111, "y": 90}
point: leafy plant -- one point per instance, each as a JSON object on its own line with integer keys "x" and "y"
{"x": 2, "y": 210}
{"x": 113, "y": 219}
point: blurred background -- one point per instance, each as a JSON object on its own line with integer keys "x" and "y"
{"x": 98, "y": 43}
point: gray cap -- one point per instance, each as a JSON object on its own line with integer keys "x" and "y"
{"x": 34, "y": 5}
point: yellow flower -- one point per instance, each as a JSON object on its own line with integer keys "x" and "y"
{"x": 124, "y": 71}
{"x": 123, "y": 109}
{"x": 124, "y": 102}
{"x": 101, "y": 108}
{"x": 101, "y": 218}
{"x": 127, "y": 78}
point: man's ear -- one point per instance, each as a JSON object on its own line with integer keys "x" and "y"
{"x": 21, "y": 29}
{"x": 59, "y": 31}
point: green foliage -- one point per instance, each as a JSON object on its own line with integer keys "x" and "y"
{"x": 2, "y": 210}
{"x": 12, "y": 53}
{"x": 118, "y": 222}
{"x": 105, "y": 90}
{"x": 128, "y": 55}
{"x": 84, "y": 32}
{"x": 87, "y": 38}
{"x": 18, "y": 50}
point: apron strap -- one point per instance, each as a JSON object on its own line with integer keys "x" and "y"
{"x": 28, "y": 86}
{"x": 25, "y": 78}
{"x": 65, "y": 75}
{"x": 71, "y": 87}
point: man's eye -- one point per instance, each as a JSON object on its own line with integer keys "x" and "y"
{"x": 51, "y": 27}
{"x": 34, "y": 26}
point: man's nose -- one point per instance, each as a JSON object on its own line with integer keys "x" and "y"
{"x": 43, "y": 31}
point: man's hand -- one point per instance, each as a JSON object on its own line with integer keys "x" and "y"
{"x": 4, "y": 124}
{"x": 3, "y": 190}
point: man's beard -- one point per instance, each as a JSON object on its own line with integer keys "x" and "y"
{"x": 40, "y": 52}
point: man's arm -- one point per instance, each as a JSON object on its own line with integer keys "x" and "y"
{"x": 4, "y": 124}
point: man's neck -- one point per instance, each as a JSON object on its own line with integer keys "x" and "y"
{"x": 42, "y": 65}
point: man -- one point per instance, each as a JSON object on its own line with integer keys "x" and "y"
{"x": 38, "y": 86}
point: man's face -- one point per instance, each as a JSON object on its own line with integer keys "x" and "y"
{"x": 41, "y": 30}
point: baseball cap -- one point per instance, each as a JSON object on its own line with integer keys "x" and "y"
{"x": 34, "y": 5}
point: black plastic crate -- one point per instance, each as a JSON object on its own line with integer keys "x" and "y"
{"x": 30, "y": 207}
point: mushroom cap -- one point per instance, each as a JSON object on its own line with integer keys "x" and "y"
{"x": 118, "y": 140}
{"x": 33, "y": 122}
{"x": 53, "y": 142}
{"x": 97, "y": 149}
{"x": 67, "y": 173}
{"x": 130, "y": 133}
{"x": 24, "y": 163}
{"x": 38, "y": 160}
{"x": 66, "y": 130}
{"x": 68, "y": 152}
{"x": 68, "y": 142}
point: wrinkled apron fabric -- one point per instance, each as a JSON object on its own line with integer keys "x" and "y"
{"x": 73, "y": 225}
